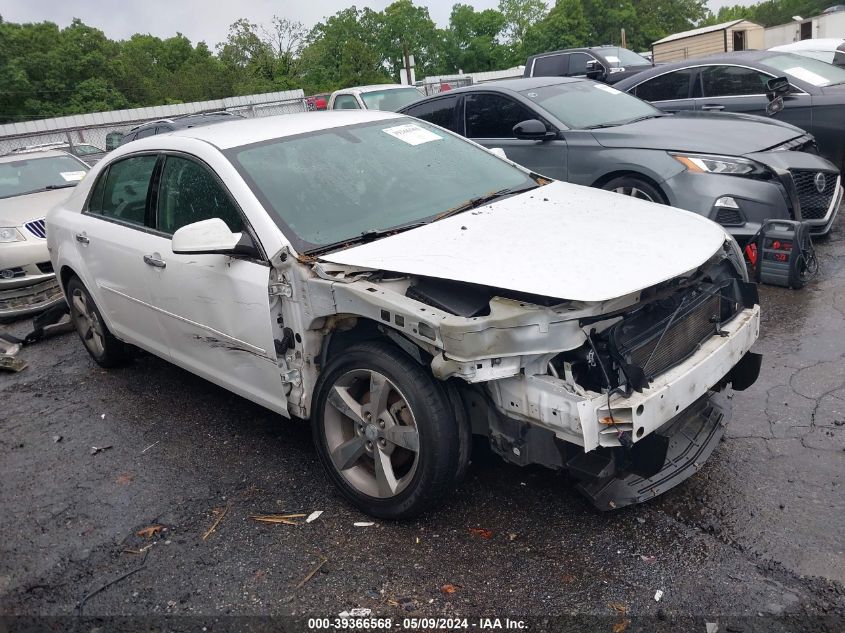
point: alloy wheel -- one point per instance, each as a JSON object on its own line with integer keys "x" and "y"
{"x": 371, "y": 433}
{"x": 87, "y": 322}
{"x": 634, "y": 192}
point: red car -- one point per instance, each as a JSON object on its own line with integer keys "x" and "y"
{"x": 317, "y": 102}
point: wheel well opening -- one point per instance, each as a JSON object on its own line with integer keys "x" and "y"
{"x": 353, "y": 331}
{"x": 65, "y": 275}
{"x": 601, "y": 182}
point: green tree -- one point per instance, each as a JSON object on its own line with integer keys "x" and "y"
{"x": 565, "y": 26}
{"x": 471, "y": 42}
{"x": 656, "y": 19}
{"x": 342, "y": 51}
{"x": 401, "y": 27}
{"x": 520, "y": 15}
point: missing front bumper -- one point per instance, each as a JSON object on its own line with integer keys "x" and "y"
{"x": 688, "y": 440}
{"x": 19, "y": 302}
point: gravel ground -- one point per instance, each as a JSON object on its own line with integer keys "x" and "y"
{"x": 756, "y": 537}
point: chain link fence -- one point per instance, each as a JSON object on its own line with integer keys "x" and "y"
{"x": 107, "y": 136}
{"x": 442, "y": 84}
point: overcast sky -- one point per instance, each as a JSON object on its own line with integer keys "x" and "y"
{"x": 208, "y": 20}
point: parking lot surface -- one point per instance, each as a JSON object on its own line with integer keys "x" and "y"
{"x": 759, "y": 530}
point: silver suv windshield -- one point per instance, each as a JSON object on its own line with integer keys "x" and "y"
{"x": 30, "y": 175}
{"x": 584, "y": 105}
{"x": 348, "y": 183}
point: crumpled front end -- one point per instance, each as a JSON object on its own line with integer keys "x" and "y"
{"x": 27, "y": 282}
{"x": 607, "y": 390}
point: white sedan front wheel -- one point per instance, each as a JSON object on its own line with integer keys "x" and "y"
{"x": 385, "y": 431}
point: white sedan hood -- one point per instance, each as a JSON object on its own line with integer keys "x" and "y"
{"x": 561, "y": 240}
{"x": 18, "y": 210}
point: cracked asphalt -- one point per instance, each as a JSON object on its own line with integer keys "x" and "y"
{"x": 757, "y": 535}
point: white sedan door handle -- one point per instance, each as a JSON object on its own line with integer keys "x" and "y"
{"x": 153, "y": 260}
{"x": 82, "y": 238}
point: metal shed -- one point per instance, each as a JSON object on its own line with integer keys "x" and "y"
{"x": 736, "y": 35}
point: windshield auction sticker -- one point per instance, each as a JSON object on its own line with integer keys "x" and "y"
{"x": 807, "y": 75}
{"x": 608, "y": 89}
{"x": 72, "y": 176}
{"x": 412, "y": 134}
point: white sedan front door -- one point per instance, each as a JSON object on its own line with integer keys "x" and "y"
{"x": 215, "y": 308}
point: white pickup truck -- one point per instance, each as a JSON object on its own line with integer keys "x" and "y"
{"x": 387, "y": 97}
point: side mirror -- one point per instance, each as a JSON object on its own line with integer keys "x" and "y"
{"x": 532, "y": 130}
{"x": 774, "y": 106}
{"x": 596, "y": 71}
{"x": 777, "y": 87}
{"x": 208, "y": 237}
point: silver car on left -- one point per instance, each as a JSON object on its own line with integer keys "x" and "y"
{"x": 31, "y": 183}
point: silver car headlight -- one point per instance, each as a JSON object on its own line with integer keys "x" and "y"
{"x": 10, "y": 234}
{"x": 726, "y": 165}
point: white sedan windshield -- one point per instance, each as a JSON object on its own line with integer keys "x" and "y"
{"x": 338, "y": 184}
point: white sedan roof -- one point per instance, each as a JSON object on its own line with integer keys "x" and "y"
{"x": 246, "y": 131}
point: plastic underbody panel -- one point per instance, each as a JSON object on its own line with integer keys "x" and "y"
{"x": 692, "y": 435}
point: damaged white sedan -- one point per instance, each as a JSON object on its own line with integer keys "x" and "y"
{"x": 403, "y": 289}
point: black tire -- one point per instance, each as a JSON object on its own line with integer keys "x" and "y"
{"x": 464, "y": 431}
{"x": 436, "y": 460}
{"x": 92, "y": 328}
{"x": 626, "y": 184}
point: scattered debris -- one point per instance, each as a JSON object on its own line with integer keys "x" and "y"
{"x": 277, "y": 518}
{"x": 357, "y": 612}
{"x": 314, "y": 516}
{"x": 138, "y": 551}
{"x": 448, "y": 589}
{"x": 99, "y": 449}
{"x": 364, "y": 524}
{"x": 220, "y": 512}
{"x": 512, "y": 536}
{"x": 711, "y": 627}
{"x": 621, "y": 626}
{"x": 640, "y": 520}
{"x": 618, "y": 607}
{"x": 57, "y": 439}
{"x": 151, "y": 531}
{"x": 124, "y": 479}
{"x": 311, "y": 573}
{"x": 488, "y": 534}
{"x": 647, "y": 559}
{"x": 149, "y": 447}
{"x": 10, "y": 363}
{"x": 102, "y": 416}
{"x": 110, "y": 583}
{"x": 658, "y": 595}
